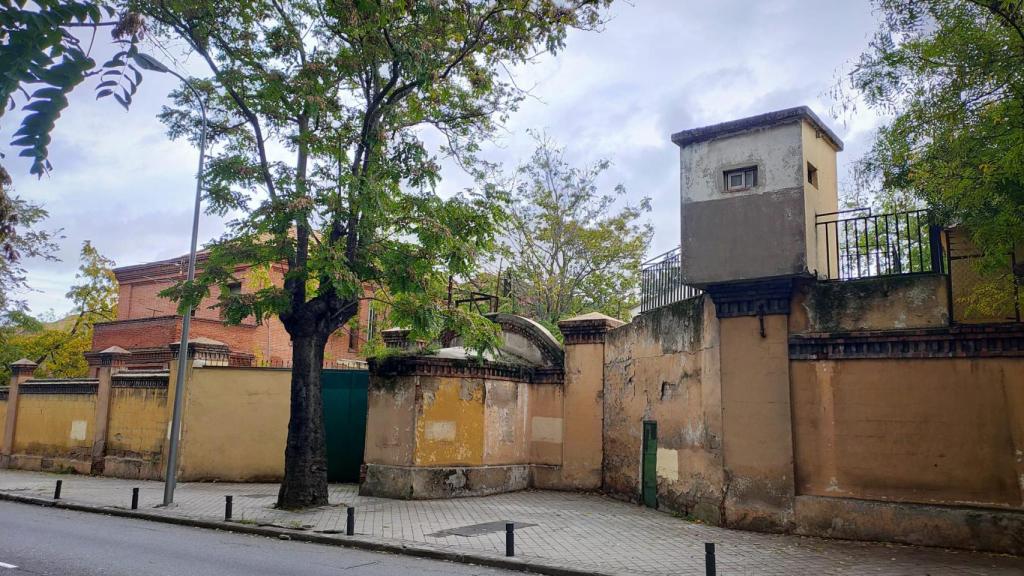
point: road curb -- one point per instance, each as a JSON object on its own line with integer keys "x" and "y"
{"x": 359, "y": 542}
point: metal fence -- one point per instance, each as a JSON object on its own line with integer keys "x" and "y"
{"x": 661, "y": 282}
{"x": 870, "y": 245}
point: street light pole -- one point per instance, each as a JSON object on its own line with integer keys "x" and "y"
{"x": 171, "y": 472}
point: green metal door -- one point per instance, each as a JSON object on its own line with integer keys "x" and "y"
{"x": 649, "y": 482}
{"x": 344, "y": 395}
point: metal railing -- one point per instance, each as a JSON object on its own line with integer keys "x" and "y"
{"x": 661, "y": 282}
{"x": 871, "y": 245}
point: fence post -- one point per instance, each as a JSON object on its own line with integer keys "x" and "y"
{"x": 935, "y": 246}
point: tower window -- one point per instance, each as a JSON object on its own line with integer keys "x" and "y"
{"x": 812, "y": 175}
{"x": 741, "y": 178}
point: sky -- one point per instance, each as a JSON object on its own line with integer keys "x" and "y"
{"x": 658, "y": 67}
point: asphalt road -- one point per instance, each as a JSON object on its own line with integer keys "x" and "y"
{"x": 35, "y": 540}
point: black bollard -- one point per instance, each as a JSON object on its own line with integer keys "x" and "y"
{"x": 510, "y": 539}
{"x": 709, "y": 558}
{"x": 350, "y": 521}
{"x": 135, "y": 498}
{"x": 56, "y": 491}
{"x": 227, "y": 508}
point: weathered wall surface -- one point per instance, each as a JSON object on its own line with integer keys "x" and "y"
{"x": 664, "y": 367}
{"x": 758, "y": 450}
{"x": 137, "y": 432}
{"x": 767, "y": 231}
{"x": 391, "y": 424}
{"x": 505, "y": 415}
{"x": 544, "y": 431}
{"x": 888, "y": 303}
{"x": 450, "y": 422}
{"x": 933, "y": 431}
{"x": 234, "y": 424}
{"x": 3, "y": 418}
{"x": 54, "y": 430}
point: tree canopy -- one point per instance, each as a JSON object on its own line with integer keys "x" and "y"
{"x": 949, "y": 75}
{"x": 351, "y": 91}
{"x": 571, "y": 247}
{"x": 58, "y": 346}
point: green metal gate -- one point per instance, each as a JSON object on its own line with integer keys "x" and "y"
{"x": 649, "y": 466}
{"x": 344, "y": 395}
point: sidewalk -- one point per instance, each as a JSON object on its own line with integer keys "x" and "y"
{"x": 575, "y": 531}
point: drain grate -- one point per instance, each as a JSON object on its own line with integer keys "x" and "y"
{"x": 478, "y": 529}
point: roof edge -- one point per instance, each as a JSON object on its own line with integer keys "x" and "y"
{"x": 704, "y": 133}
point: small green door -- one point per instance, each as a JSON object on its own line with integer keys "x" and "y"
{"x": 649, "y": 482}
{"x": 344, "y": 397}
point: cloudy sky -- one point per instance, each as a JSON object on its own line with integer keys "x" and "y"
{"x": 659, "y": 67}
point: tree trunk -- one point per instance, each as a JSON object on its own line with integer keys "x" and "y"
{"x": 305, "y": 457}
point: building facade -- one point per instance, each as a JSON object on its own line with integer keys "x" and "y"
{"x": 147, "y": 324}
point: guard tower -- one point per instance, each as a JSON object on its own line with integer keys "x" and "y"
{"x": 751, "y": 190}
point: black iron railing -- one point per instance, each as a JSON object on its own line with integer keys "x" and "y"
{"x": 661, "y": 282}
{"x": 868, "y": 245}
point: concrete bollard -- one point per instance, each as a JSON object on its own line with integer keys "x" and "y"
{"x": 135, "y": 498}
{"x": 709, "y": 558}
{"x": 350, "y": 521}
{"x": 510, "y": 539}
{"x": 56, "y": 490}
{"x": 227, "y": 508}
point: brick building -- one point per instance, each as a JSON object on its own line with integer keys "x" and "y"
{"x": 147, "y": 324}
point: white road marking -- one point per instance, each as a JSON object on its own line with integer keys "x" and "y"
{"x": 5, "y": 565}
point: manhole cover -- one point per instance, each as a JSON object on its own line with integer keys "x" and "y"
{"x": 478, "y": 529}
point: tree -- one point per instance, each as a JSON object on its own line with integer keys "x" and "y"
{"x": 58, "y": 347}
{"x": 570, "y": 249}
{"x": 21, "y": 239}
{"x": 950, "y": 75}
{"x": 38, "y": 48}
{"x": 348, "y": 89}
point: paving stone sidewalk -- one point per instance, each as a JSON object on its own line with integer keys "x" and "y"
{"x": 581, "y": 531}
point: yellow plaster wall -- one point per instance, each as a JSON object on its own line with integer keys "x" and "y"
{"x": 947, "y": 431}
{"x": 235, "y": 423}
{"x": 544, "y": 424}
{"x": 59, "y": 425}
{"x": 3, "y": 419}
{"x": 391, "y": 420}
{"x": 450, "y": 422}
{"x": 505, "y": 421}
{"x": 821, "y": 199}
{"x": 665, "y": 367}
{"x": 138, "y": 422}
{"x": 756, "y": 421}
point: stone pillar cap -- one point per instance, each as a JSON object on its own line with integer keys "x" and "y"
{"x": 24, "y": 362}
{"x": 587, "y": 328}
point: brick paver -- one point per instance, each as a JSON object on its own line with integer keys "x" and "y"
{"x": 584, "y": 531}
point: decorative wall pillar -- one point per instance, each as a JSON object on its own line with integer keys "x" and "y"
{"x": 756, "y": 413}
{"x": 102, "y": 366}
{"x": 583, "y": 404}
{"x": 21, "y": 371}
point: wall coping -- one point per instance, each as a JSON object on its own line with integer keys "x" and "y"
{"x": 462, "y": 368}
{"x": 959, "y": 341}
{"x": 83, "y": 386}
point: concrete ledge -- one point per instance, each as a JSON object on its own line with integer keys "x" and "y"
{"x": 369, "y": 543}
{"x": 426, "y": 483}
{"x": 133, "y": 468}
{"x": 981, "y": 529}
